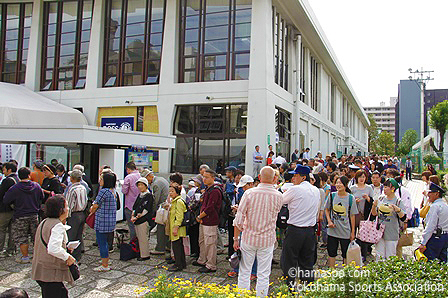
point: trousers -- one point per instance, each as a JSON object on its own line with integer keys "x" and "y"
{"x": 142, "y": 231}
{"x": 437, "y": 247}
{"x": 5, "y": 229}
{"x": 385, "y": 249}
{"x": 163, "y": 241}
{"x": 207, "y": 246}
{"x": 76, "y": 221}
{"x": 264, "y": 262}
{"x": 53, "y": 289}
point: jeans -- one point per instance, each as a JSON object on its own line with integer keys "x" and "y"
{"x": 127, "y": 215}
{"x": 5, "y": 228}
{"x": 76, "y": 221}
{"x": 264, "y": 262}
{"x": 101, "y": 238}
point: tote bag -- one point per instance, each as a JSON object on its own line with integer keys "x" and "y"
{"x": 370, "y": 231}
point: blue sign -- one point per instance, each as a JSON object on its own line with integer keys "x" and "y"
{"x": 122, "y": 123}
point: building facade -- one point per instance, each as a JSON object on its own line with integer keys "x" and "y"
{"x": 407, "y": 109}
{"x": 384, "y": 116}
{"x": 220, "y": 75}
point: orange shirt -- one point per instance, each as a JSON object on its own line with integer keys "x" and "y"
{"x": 37, "y": 176}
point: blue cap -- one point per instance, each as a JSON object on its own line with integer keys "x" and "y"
{"x": 435, "y": 188}
{"x": 231, "y": 168}
{"x": 303, "y": 170}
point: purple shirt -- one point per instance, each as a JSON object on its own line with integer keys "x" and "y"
{"x": 130, "y": 190}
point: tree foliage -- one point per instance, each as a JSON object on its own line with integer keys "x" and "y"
{"x": 385, "y": 144}
{"x": 373, "y": 133}
{"x": 408, "y": 140}
{"x": 438, "y": 120}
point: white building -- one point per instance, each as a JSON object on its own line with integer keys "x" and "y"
{"x": 384, "y": 116}
{"x": 220, "y": 75}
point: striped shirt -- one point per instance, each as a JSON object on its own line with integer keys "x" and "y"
{"x": 76, "y": 198}
{"x": 257, "y": 215}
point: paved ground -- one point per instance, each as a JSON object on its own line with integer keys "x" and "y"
{"x": 128, "y": 276}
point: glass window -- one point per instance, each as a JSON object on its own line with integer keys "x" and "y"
{"x": 15, "y": 23}
{"x": 210, "y": 134}
{"x": 209, "y": 28}
{"x": 65, "y": 43}
{"x": 142, "y": 32}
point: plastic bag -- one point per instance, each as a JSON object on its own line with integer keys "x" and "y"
{"x": 354, "y": 254}
{"x": 161, "y": 216}
{"x": 186, "y": 243}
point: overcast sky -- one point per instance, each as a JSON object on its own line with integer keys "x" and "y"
{"x": 376, "y": 42}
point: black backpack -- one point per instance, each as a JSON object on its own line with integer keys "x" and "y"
{"x": 282, "y": 217}
{"x": 189, "y": 217}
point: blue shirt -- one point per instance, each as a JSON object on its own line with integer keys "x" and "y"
{"x": 230, "y": 190}
{"x": 255, "y": 155}
{"x": 106, "y": 214}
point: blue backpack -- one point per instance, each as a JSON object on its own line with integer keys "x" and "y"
{"x": 414, "y": 222}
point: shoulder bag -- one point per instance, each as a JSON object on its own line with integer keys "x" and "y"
{"x": 370, "y": 231}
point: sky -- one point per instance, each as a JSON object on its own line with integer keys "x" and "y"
{"x": 376, "y": 42}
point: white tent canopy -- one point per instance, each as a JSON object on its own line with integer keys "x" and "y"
{"x": 21, "y": 106}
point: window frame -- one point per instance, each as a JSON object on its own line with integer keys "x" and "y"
{"x": 120, "y": 64}
{"x": 20, "y": 41}
{"x": 56, "y": 68}
{"x": 200, "y": 68}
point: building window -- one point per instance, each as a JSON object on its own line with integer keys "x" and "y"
{"x": 133, "y": 42}
{"x": 214, "y": 40}
{"x": 15, "y": 26}
{"x": 210, "y": 134}
{"x": 313, "y": 83}
{"x": 283, "y": 128}
{"x": 333, "y": 103}
{"x": 66, "y": 37}
{"x": 281, "y": 38}
{"x": 302, "y": 74}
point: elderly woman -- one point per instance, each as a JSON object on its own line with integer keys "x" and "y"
{"x": 51, "y": 259}
{"x": 105, "y": 209}
{"x": 177, "y": 232}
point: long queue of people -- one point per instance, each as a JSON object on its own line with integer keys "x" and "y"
{"x": 293, "y": 205}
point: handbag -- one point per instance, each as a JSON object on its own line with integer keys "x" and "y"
{"x": 370, "y": 231}
{"x": 406, "y": 239}
{"x": 74, "y": 269}
{"x": 161, "y": 216}
{"x": 424, "y": 211}
{"x": 186, "y": 244}
{"x": 90, "y": 220}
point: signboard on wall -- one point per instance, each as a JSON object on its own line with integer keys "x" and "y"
{"x": 121, "y": 123}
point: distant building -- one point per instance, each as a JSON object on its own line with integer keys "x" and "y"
{"x": 407, "y": 110}
{"x": 384, "y": 115}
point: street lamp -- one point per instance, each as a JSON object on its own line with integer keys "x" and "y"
{"x": 418, "y": 76}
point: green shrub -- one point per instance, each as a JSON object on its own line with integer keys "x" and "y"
{"x": 432, "y": 159}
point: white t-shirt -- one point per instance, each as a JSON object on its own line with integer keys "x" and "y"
{"x": 303, "y": 204}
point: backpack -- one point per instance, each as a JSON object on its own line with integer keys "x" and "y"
{"x": 414, "y": 222}
{"x": 282, "y": 217}
{"x": 189, "y": 217}
{"x": 129, "y": 250}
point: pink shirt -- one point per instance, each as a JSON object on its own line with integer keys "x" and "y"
{"x": 130, "y": 190}
{"x": 257, "y": 215}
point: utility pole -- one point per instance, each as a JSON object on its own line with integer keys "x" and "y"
{"x": 419, "y": 77}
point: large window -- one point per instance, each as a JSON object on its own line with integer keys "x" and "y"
{"x": 133, "y": 42}
{"x": 281, "y": 38}
{"x": 302, "y": 74}
{"x": 15, "y": 26}
{"x": 283, "y": 129}
{"x": 211, "y": 134}
{"x": 214, "y": 40}
{"x": 314, "y": 84}
{"x": 66, "y": 39}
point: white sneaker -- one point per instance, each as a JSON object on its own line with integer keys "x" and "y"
{"x": 101, "y": 269}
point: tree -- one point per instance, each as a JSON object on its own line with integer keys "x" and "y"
{"x": 408, "y": 140}
{"x": 373, "y": 133}
{"x": 438, "y": 120}
{"x": 385, "y": 144}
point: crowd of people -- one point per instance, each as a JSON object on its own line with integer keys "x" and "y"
{"x": 295, "y": 205}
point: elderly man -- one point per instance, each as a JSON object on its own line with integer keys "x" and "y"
{"x": 258, "y": 238}
{"x": 131, "y": 193}
{"x": 299, "y": 246}
{"x": 160, "y": 189}
{"x": 209, "y": 220}
{"x": 257, "y": 160}
{"x": 77, "y": 203}
{"x": 435, "y": 236}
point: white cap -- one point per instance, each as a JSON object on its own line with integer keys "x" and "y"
{"x": 244, "y": 180}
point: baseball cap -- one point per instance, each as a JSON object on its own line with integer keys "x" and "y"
{"x": 304, "y": 170}
{"x": 244, "y": 180}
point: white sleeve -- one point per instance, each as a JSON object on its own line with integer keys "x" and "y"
{"x": 55, "y": 243}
